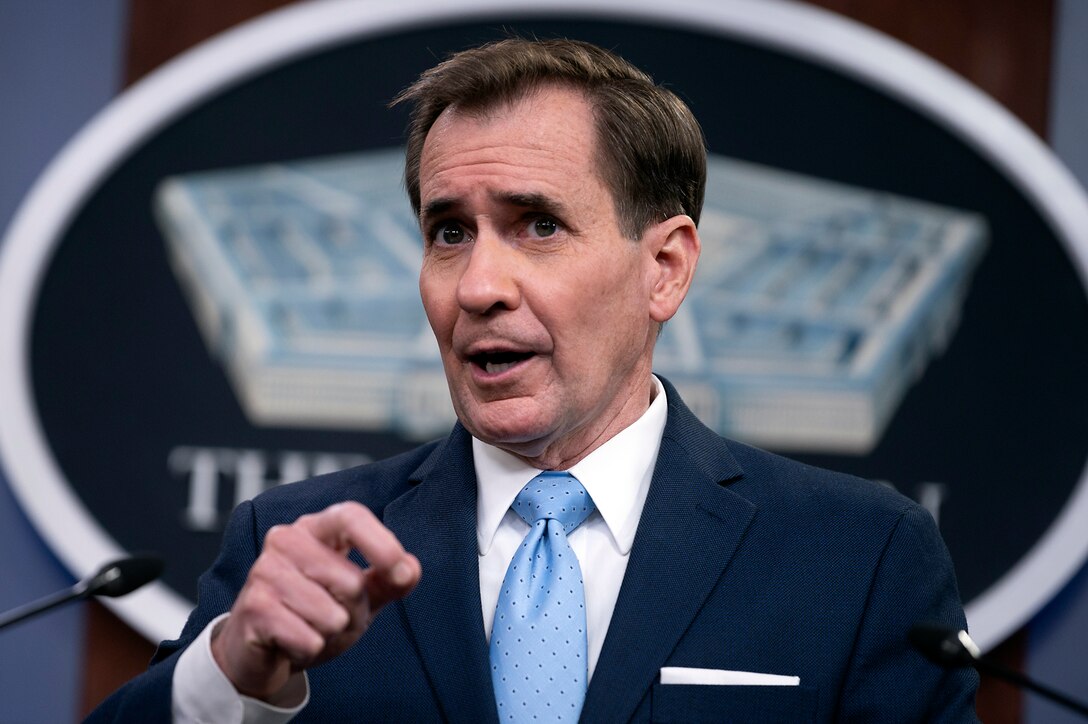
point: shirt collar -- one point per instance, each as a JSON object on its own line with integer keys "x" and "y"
{"x": 616, "y": 475}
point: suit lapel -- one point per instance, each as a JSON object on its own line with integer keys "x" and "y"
{"x": 689, "y": 530}
{"x": 436, "y": 521}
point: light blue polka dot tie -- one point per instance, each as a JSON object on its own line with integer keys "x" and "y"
{"x": 538, "y": 640}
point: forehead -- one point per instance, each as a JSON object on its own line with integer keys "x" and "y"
{"x": 546, "y": 137}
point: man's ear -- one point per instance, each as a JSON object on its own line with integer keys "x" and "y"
{"x": 675, "y": 246}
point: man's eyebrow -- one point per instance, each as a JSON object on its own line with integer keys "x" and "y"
{"x": 537, "y": 202}
{"x": 437, "y": 207}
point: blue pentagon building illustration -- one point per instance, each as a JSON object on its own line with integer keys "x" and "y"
{"x": 815, "y": 307}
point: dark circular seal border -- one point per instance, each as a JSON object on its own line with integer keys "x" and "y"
{"x": 275, "y": 39}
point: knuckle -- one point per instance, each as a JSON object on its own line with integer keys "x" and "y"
{"x": 344, "y": 512}
{"x": 350, "y": 510}
{"x": 277, "y": 536}
{"x": 307, "y": 518}
{"x": 355, "y": 584}
{"x": 337, "y": 622}
{"x": 312, "y": 646}
{"x": 267, "y": 570}
{"x": 254, "y": 601}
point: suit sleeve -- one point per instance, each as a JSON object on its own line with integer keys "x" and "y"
{"x": 147, "y": 697}
{"x": 914, "y": 582}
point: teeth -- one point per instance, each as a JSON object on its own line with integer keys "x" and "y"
{"x": 494, "y": 368}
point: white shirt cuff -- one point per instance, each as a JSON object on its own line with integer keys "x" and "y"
{"x": 204, "y": 695}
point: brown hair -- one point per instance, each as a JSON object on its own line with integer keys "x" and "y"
{"x": 650, "y": 148}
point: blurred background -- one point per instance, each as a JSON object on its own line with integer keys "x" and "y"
{"x": 62, "y": 61}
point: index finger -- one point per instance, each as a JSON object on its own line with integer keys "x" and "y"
{"x": 350, "y": 524}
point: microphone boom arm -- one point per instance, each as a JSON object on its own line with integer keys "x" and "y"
{"x": 112, "y": 580}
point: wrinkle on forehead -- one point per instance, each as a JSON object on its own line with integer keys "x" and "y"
{"x": 490, "y": 111}
{"x": 518, "y": 146}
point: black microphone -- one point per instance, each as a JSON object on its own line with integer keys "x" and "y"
{"x": 112, "y": 580}
{"x": 953, "y": 648}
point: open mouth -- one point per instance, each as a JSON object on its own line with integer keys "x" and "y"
{"x": 494, "y": 363}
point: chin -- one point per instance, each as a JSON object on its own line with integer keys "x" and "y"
{"x": 509, "y": 426}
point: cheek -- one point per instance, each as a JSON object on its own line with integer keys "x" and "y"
{"x": 608, "y": 316}
{"x": 622, "y": 297}
{"x": 437, "y": 306}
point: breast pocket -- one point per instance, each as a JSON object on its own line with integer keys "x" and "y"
{"x": 674, "y": 703}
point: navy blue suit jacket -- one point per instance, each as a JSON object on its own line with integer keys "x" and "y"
{"x": 743, "y": 560}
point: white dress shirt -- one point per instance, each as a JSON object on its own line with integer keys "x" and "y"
{"x": 617, "y": 477}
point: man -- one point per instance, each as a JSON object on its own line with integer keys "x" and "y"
{"x": 558, "y": 191}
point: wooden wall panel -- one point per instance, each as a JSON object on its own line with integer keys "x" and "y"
{"x": 160, "y": 29}
{"x": 1002, "y": 46}
{"x": 114, "y": 654}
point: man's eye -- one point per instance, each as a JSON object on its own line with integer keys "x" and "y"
{"x": 450, "y": 234}
{"x": 544, "y": 226}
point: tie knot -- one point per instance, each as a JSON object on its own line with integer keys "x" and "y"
{"x": 555, "y": 496}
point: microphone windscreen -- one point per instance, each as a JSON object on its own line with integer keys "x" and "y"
{"x": 940, "y": 644}
{"x": 125, "y": 575}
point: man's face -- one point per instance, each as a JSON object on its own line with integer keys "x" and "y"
{"x": 540, "y": 305}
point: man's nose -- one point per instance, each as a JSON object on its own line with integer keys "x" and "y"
{"x": 489, "y": 280}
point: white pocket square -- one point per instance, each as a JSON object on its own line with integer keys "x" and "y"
{"x": 723, "y": 677}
